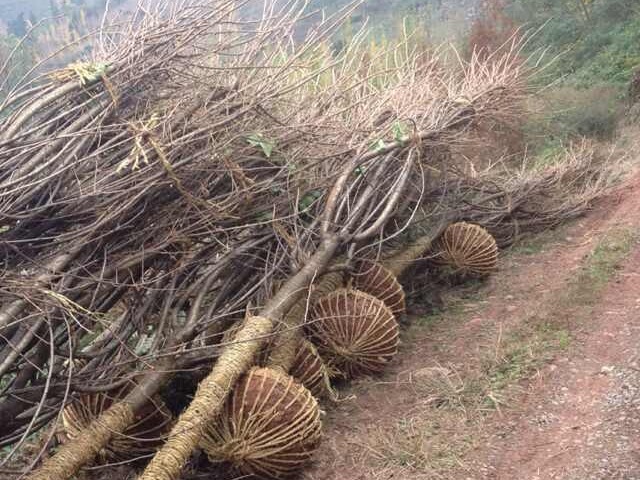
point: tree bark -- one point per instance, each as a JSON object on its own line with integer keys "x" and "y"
{"x": 234, "y": 361}
{"x": 288, "y": 341}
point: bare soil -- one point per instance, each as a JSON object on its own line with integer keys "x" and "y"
{"x": 533, "y": 375}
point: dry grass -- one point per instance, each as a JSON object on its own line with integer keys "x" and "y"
{"x": 429, "y": 444}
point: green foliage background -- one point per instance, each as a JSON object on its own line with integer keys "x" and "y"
{"x": 598, "y": 45}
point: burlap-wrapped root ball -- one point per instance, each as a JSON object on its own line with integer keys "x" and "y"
{"x": 356, "y": 332}
{"x": 468, "y": 249}
{"x": 138, "y": 441}
{"x": 372, "y": 278}
{"x": 270, "y": 426}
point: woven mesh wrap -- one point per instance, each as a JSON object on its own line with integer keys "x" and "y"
{"x": 467, "y": 248}
{"x": 355, "y": 331}
{"x": 142, "y": 438}
{"x": 372, "y": 278}
{"x": 270, "y": 426}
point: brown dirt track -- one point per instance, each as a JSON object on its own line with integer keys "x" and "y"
{"x": 534, "y": 375}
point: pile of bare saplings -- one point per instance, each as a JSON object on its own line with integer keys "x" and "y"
{"x": 205, "y": 198}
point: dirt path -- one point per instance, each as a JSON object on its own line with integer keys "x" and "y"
{"x": 581, "y": 419}
{"x": 533, "y": 376}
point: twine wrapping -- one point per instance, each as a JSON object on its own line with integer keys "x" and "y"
{"x": 310, "y": 370}
{"x": 467, "y": 248}
{"x": 270, "y": 426}
{"x": 288, "y": 341}
{"x": 208, "y": 401}
{"x": 138, "y": 440}
{"x": 69, "y": 458}
{"x": 375, "y": 279}
{"x": 355, "y": 331}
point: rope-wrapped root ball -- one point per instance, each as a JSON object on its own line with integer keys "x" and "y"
{"x": 310, "y": 370}
{"x": 270, "y": 426}
{"x": 468, "y": 249}
{"x": 307, "y": 367}
{"x": 356, "y": 332}
{"x": 138, "y": 441}
{"x": 372, "y": 278}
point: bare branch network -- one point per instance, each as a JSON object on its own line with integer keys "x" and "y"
{"x": 204, "y": 172}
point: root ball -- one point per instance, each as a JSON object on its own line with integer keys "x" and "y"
{"x": 138, "y": 441}
{"x": 356, "y": 332}
{"x": 270, "y": 426}
{"x": 467, "y": 248}
{"x": 372, "y": 278}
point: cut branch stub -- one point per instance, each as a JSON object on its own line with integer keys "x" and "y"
{"x": 374, "y": 279}
{"x": 468, "y": 249}
{"x": 138, "y": 440}
{"x": 269, "y": 428}
{"x": 356, "y": 332}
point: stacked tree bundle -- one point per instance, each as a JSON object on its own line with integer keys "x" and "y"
{"x": 204, "y": 172}
{"x": 270, "y": 426}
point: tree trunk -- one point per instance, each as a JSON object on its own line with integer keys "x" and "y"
{"x": 289, "y": 340}
{"x": 71, "y": 456}
{"x": 398, "y": 263}
{"x": 234, "y": 361}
